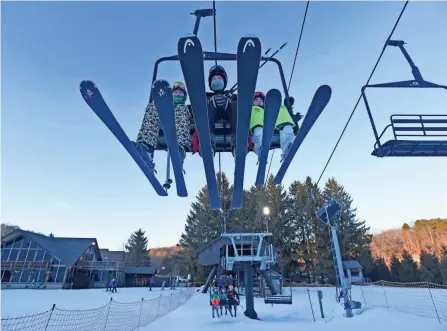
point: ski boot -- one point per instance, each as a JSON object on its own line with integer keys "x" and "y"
{"x": 146, "y": 155}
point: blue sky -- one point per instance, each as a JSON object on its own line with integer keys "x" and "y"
{"x": 63, "y": 172}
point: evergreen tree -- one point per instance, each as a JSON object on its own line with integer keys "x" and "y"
{"x": 274, "y": 197}
{"x": 408, "y": 269}
{"x": 443, "y": 265}
{"x": 429, "y": 270}
{"x": 395, "y": 269}
{"x": 353, "y": 234}
{"x": 203, "y": 225}
{"x": 382, "y": 270}
{"x": 136, "y": 249}
{"x": 301, "y": 203}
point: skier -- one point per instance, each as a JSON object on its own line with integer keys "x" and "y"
{"x": 223, "y": 300}
{"x": 146, "y": 142}
{"x": 151, "y": 283}
{"x": 220, "y": 105}
{"x": 232, "y": 300}
{"x": 284, "y": 124}
{"x": 215, "y": 303}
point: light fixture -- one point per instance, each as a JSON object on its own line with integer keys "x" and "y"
{"x": 266, "y": 211}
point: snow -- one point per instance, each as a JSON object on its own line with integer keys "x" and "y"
{"x": 196, "y": 313}
{"x": 31, "y": 301}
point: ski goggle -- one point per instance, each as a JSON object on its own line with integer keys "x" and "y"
{"x": 179, "y": 85}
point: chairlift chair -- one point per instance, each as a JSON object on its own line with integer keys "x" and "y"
{"x": 424, "y": 128}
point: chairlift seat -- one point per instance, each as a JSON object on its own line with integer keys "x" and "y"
{"x": 278, "y": 300}
{"x": 222, "y": 135}
{"x": 419, "y": 126}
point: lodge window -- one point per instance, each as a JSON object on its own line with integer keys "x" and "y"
{"x": 5, "y": 254}
{"x": 31, "y": 255}
{"x": 13, "y": 255}
{"x": 17, "y": 243}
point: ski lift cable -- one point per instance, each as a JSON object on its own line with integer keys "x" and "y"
{"x": 298, "y": 46}
{"x": 215, "y": 50}
{"x": 215, "y": 29}
{"x": 293, "y": 69}
{"x": 360, "y": 97}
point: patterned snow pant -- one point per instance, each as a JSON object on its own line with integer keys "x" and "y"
{"x": 151, "y": 126}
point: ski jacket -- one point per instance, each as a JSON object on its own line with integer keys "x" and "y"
{"x": 233, "y": 297}
{"x": 220, "y": 100}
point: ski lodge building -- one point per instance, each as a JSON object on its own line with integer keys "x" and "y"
{"x": 33, "y": 260}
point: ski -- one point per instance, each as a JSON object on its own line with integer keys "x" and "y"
{"x": 96, "y": 102}
{"x": 319, "y": 102}
{"x": 162, "y": 92}
{"x": 248, "y": 58}
{"x": 190, "y": 55}
{"x": 272, "y": 104}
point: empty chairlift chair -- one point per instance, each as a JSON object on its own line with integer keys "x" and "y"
{"x": 279, "y": 299}
{"x": 426, "y": 135}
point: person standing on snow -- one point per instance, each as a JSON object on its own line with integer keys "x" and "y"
{"x": 284, "y": 124}
{"x": 146, "y": 142}
{"x": 220, "y": 105}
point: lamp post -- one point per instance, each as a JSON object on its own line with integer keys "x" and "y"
{"x": 266, "y": 212}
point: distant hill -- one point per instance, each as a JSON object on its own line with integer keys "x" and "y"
{"x": 160, "y": 253}
{"x": 423, "y": 235}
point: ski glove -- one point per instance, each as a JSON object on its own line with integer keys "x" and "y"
{"x": 220, "y": 101}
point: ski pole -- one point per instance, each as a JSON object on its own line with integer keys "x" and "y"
{"x": 234, "y": 87}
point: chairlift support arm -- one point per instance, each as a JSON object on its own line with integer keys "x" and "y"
{"x": 199, "y": 13}
{"x": 417, "y": 82}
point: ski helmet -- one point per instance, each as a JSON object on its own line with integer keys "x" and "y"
{"x": 217, "y": 70}
{"x": 180, "y": 86}
{"x": 259, "y": 95}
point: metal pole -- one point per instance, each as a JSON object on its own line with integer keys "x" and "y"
{"x": 141, "y": 309}
{"x": 49, "y": 318}
{"x": 340, "y": 270}
{"x": 386, "y": 299}
{"x": 311, "y": 307}
{"x": 320, "y": 302}
{"x": 363, "y": 294}
{"x": 168, "y": 182}
{"x": 436, "y": 310}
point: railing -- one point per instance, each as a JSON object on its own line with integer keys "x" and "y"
{"x": 113, "y": 316}
{"x": 112, "y": 265}
{"x": 23, "y": 264}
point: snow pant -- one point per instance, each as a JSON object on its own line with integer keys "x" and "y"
{"x": 223, "y": 304}
{"x": 235, "y": 309}
{"x": 257, "y": 118}
{"x": 150, "y": 127}
{"x": 215, "y": 114}
{"x": 216, "y": 309}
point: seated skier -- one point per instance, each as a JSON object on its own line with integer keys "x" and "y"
{"x": 220, "y": 104}
{"x": 232, "y": 300}
{"x": 146, "y": 142}
{"x": 215, "y": 302}
{"x": 223, "y": 301}
{"x": 284, "y": 124}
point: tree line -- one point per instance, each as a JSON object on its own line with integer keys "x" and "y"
{"x": 302, "y": 240}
